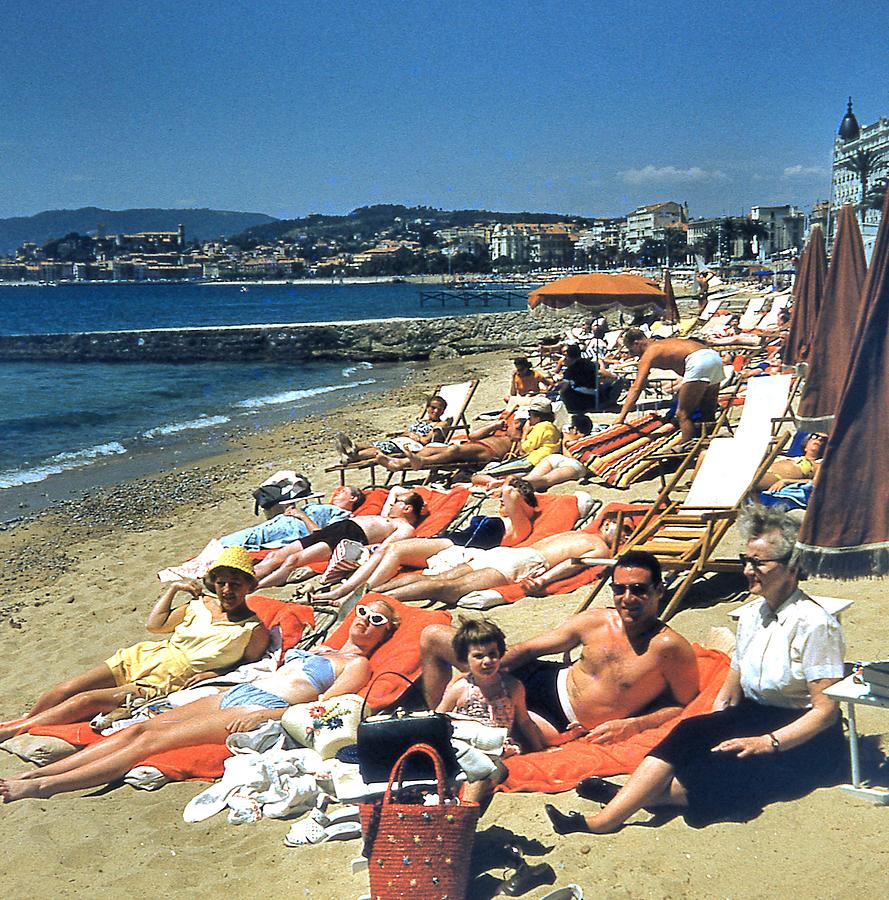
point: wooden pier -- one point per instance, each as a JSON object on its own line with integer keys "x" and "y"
{"x": 471, "y": 296}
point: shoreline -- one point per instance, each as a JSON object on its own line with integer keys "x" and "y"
{"x": 80, "y": 580}
{"x": 144, "y": 459}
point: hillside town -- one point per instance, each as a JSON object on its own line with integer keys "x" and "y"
{"x": 392, "y": 241}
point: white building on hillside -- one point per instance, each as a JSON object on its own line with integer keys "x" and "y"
{"x": 650, "y": 222}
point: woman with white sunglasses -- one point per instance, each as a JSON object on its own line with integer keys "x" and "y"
{"x": 305, "y": 676}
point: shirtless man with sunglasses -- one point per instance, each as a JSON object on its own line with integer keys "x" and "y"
{"x": 634, "y": 672}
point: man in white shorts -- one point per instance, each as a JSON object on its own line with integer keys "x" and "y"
{"x": 457, "y": 571}
{"x": 699, "y": 366}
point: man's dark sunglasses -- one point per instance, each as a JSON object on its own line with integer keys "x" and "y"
{"x": 637, "y": 589}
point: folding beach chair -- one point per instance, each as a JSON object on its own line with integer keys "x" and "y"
{"x": 456, "y": 397}
{"x": 752, "y": 314}
{"x": 684, "y": 535}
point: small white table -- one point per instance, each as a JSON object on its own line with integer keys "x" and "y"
{"x": 850, "y": 692}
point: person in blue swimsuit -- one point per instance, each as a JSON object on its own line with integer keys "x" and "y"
{"x": 304, "y": 676}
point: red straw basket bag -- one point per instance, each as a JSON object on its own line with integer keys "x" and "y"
{"x": 417, "y": 851}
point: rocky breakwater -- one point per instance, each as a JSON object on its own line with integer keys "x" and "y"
{"x": 371, "y": 339}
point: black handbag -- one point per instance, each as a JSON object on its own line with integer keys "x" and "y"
{"x": 382, "y": 739}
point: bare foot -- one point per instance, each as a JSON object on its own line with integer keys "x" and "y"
{"x": 16, "y": 789}
{"x": 394, "y": 465}
{"x": 416, "y": 463}
{"x": 8, "y": 730}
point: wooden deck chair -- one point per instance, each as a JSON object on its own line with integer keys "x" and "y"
{"x": 752, "y": 314}
{"x": 456, "y": 397}
{"x": 684, "y": 535}
{"x": 780, "y": 302}
{"x": 767, "y": 404}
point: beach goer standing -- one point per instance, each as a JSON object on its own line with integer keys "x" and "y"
{"x": 699, "y": 365}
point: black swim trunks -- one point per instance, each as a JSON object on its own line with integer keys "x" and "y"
{"x": 344, "y": 530}
{"x": 540, "y": 678}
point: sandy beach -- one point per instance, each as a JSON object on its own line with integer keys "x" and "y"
{"x": 78, "y": 582}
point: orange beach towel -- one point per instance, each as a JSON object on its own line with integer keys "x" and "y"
{"x": 561, "y": 768}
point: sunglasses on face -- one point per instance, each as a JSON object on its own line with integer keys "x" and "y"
{"x": 758, "y": 563}
{"x": 637, "y": 589}
{"x": 366, "y": 613}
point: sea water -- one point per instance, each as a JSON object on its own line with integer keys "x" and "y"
{"x": 64, "y": 424}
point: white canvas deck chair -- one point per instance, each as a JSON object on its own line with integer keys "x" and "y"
{"x": 684, "y": 535}
{"x": 752, "y": 313}
{"x": 456, "y": 397}
{"x": 767, "y": 403}
{"x": 780, "y": 302}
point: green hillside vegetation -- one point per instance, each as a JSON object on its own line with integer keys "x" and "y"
{"x": 200, "y": 224}
{"x": 353, "y": 231}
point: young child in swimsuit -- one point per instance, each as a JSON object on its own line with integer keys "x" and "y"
{"x": 490, "y": 697}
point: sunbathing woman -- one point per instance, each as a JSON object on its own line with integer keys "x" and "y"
{"x": 557, "y": 468}
{"x": 305, "y": 676}
{"x": 518, "y": 507}
{"x": 208, "y": 635}
{"x": 788, "y": 470}
{"x": 431, "y": 426}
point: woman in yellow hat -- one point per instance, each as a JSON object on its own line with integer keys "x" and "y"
{"x": 316, "y": 674}
{"x": 207, "y": 635}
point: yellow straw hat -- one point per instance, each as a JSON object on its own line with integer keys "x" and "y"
{"x": 232, "y": 558}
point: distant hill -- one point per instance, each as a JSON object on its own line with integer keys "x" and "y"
{"x": 363, "y": 223}
{"x": 200, "y": 224}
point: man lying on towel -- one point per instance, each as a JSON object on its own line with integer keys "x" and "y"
{"x": 456, "y": 571}
{"x": 400, "y": 523}
{"x": 634, "y": 672}
{"x": 297, "y": 522}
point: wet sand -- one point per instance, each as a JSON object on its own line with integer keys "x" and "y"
{"x": 78, "y": 582}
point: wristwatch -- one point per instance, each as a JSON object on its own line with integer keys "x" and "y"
{"x": 776, "y": 744}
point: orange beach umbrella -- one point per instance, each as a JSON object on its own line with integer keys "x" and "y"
{"x": 598, "y": 291}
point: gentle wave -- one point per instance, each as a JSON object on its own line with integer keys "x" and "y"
{"x": 176, "y": 427}
{"x": 349, "y": 371}
{"x": 61, "y": 462}
{"x": 26, "y": 425}
{"x": 290, "y": 396}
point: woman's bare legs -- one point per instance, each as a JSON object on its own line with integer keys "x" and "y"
{"x": 385, "y": 564}
{"x": 97, "y": 677}
{"x": 274, "y": 570}
{"x": 652, "y": 784}
{"x": 201, "y": 722}
{"x": 78, "y": 708}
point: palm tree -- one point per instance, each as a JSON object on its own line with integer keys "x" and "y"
{"x": 750, "y": 230}
{"x": 864, "y": 163}
{"x": 728, "y": 231}
{"x": 876, "y": 193}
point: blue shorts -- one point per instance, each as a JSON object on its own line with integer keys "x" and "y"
{"x": 250, "y": 695}
{"x": 318, "y": 669}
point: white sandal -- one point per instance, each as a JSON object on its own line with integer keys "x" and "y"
{"x": 311, "y": 831}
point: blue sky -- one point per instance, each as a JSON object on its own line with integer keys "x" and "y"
{"x": 292, "y": 108}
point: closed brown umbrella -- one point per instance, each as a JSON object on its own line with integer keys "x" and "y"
{"x": 807, "y": 298}
{"x": 845, "y": 533}
{"x": 671, "y": 310}
{"x": 837, "y": 325}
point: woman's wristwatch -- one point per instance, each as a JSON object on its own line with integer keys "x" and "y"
{"x": 776, "y": 744}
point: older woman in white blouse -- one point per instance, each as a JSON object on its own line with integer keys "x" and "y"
{"x": 773, "y": 733}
